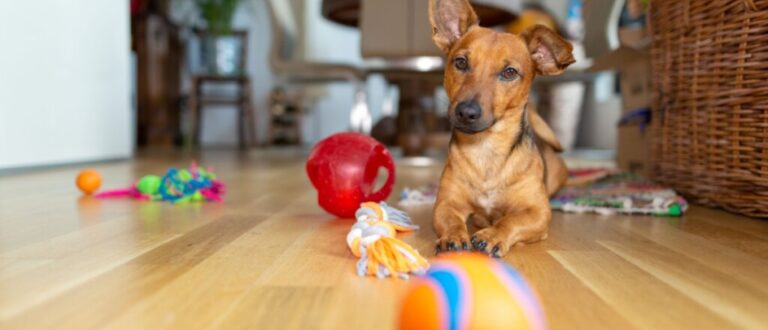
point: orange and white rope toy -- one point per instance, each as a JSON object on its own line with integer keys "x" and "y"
{"x": 372, "y": 239}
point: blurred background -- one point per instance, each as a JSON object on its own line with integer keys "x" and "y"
{"x": 98, "y": 80}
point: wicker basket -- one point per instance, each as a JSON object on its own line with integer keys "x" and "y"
{"x": 710, "y": 110}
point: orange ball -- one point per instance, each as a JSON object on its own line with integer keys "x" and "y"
{"x": 88, "y": 181}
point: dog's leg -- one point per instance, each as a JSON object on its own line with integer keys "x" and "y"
{"x": 525, "y": 226}
{"x": 450, "y": 223}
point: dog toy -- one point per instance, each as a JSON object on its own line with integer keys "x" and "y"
{"x": 88, "y": 181}
{"x": 471, "y": 291}
{"x": 177, "y": 186}
{"x": 343, "y": 168}
{"x": 372, "y": 239}
{"x": 424, "y": 195}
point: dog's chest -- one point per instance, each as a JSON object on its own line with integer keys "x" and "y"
{"x": 489, "y": 187}
{"x": 488, "y": 197}
{"x": 487, "y": 201}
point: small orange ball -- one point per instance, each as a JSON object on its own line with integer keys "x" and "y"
{"x": 88, "y": 181}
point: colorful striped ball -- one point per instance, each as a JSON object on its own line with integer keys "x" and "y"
{"x": 471, "y": 291}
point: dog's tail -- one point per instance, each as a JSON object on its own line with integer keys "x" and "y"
{"x": 543, "y": 131}
{"x": 555, "y": 170}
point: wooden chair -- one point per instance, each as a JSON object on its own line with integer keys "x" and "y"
{"x": 242, "y": 99}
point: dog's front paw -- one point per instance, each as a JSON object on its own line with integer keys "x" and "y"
{"x": 491, "y": 242}
{"x": 457, "y": 241}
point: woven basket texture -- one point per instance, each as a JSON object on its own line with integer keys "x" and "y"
{"x": 709, "y": 134}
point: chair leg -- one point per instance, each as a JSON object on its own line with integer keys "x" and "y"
{"x": 250, "y": 121}
{"x": 246, "y": 128}
{"x": 196, "y": 111}
{"x": 241, "y": 126}
{"x": 199, "y": 126}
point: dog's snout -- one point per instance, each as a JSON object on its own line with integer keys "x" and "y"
{"x": 467, "y": 116}
{"x": 468, "y": 111}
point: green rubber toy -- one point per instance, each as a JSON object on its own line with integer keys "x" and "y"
{"x": 149, "y": 184}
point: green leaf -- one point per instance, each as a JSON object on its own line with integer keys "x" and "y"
{"x": 218, "y": 14}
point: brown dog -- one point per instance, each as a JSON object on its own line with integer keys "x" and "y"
{"x": 502, "y": 166}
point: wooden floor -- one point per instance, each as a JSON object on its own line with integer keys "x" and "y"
{"x": 269, "y": 258}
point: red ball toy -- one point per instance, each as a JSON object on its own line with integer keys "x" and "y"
{"x": 343, "y": 168}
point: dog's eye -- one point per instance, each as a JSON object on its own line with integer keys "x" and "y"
{"x": 461, "y": 63}
{"x": 509, "y": 74}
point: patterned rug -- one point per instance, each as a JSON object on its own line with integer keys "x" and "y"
{"x": 594, "y": 190}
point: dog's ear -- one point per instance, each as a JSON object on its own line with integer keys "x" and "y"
{"x": 450, "y": 20}
{"x": 550, "y": 52}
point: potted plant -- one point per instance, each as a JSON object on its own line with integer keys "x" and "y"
{"x": 220, "y": 47}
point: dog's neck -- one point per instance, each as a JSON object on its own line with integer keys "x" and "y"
{"x": 490, "y": 152}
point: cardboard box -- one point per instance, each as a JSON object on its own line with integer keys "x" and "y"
{"x": 634, "y": 68}
{"x": 632, "y": 151}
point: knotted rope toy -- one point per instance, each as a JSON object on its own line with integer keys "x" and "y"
{"x": 177, "y": 186}
{"x": 372, "y": 239}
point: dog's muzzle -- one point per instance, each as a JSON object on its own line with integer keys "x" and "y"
{"x": 468, "y": 117}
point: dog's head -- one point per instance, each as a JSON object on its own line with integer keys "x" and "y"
{"x": 488, "y": 73}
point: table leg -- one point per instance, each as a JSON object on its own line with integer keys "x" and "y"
{"x": 249, "y": 115}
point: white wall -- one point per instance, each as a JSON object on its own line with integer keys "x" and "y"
{"x": 64, "y": 82}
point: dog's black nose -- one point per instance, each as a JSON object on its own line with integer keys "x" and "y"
{"x": 468, "y": 111}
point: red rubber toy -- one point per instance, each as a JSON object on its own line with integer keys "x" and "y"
{"x": 343, "y": 169}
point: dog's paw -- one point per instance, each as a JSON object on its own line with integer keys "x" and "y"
{"x": 490, "y": 242}
{"x": 458, "y": 241}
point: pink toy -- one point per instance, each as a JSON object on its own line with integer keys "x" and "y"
{"x": 343, "y": 169}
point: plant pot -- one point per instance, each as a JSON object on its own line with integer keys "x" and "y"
{"x": 222, "y": 55}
